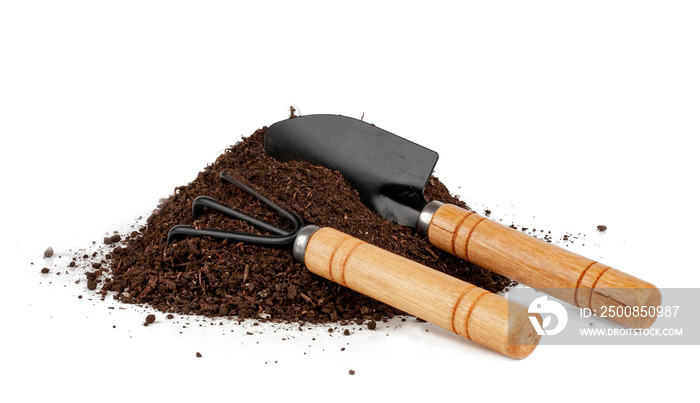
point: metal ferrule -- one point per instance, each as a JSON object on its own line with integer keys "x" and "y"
{"x": 301, "y": 240}
{"x": 426, "y": 216}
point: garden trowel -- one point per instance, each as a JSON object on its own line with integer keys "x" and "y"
{"x": 390, "y": 173}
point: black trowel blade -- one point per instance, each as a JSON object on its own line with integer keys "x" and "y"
{"x": 388, "y": 171}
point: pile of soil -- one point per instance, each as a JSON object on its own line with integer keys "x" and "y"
{"x": 212, "y": 278}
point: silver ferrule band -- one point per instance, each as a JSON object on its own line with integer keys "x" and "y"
{"x": 302, "y": 239}
{"x": 426, "y": 216}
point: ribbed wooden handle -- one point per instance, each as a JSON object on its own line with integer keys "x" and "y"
{"x": 446, "y": 301}
{"x": 539, "y": 264}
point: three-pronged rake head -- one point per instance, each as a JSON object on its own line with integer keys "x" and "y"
{"x": 278, "y": 235}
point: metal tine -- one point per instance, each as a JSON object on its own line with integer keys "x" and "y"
{"x": 183, "y": 231}
{"x": 205, "y": 201}
{"x": 293, "y": 217}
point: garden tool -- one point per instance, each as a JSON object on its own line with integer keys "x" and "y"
{"x": 460, "y": 307}
{"x": 390, "y": 174}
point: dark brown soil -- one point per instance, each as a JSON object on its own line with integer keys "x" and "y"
{"x": 201, "y": 276}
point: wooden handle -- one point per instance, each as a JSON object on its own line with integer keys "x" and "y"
{"x": 539, "y": 264}
{"x": 431, "y": 295}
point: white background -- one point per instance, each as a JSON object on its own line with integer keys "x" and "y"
{"x": 555, "y": 115}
